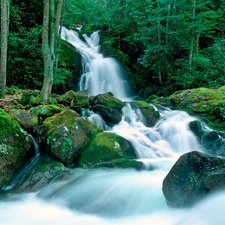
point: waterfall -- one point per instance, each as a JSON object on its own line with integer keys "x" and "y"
{"x": 117, "y": 196}
{"x": 99, "y": 74}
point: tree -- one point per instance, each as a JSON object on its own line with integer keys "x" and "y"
{"x": 51, "y": 19}
{"x": 4, "y": 42}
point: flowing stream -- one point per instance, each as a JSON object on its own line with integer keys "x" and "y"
{"x": 118, "y": 196}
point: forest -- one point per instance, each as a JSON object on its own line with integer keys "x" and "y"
{"x": 164, "y": 45}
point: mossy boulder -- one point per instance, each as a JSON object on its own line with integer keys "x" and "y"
{"x": 109, "y": 150}
{"x": 57, "y": 120}
{"x": 66, "y": 142}
{"x": 75, "y": 100}
{"x": 44, "y": 171}
{"x": 192, "y": 177}
{"x": 150, "y": 114}
{"x": 107, "y": 100}
{"x": 15, "y": 148}
{"x": 27, "y": 120}
{"x": 109, "y": 115}
{"x": 45, "y": 111}
{"x": 204, "y": 102}
{"x": 27, "y": 95}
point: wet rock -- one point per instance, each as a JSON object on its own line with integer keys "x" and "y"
{"x": 111, "y": 116}
{"x": 15, "y": 148}
{"x": 44, "y": 171}
{"x": 192, "y": 177}
{"x": 109, "y": 150}
{"x": 66, "y": 142}
{"x": 212, "y": 141}
{"x": 75, "y": 100}
{"x": 107, "y": 100}
{"x": 150, "y": 114}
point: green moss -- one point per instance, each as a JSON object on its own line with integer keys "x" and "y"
{"x": 67, "y": 144}
{"x": 56, "y": 120}
{"x": 8, "y": 125}
{"x": 106, "y": 149}
{"x": 108, "y": 100}
{"x": 142, "y": 104}
{"x": 27, "y": 95}
{"x": 208, "y": 103}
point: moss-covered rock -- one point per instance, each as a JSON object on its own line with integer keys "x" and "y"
{"x": 75, "y": 100}
{"x": 204, "y": 102}
{"x": 109, "y": 150}
{"x": 150, "y": 114}
{"x": 44, "y": 111}
{"x": 57, "y": 120}
{"x": 41, "y": 174}
{"x": 15, "y": 148}
{"x": 108, "y": 100}
{"x": 110, "y": 116}
{"x": 27, "y": 120}
{"x": 27, "y": 95}
{"x": 67, "y": 141}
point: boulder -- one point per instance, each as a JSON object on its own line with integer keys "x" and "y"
{"x": 66, "y": 141}
{"x": 205, "y": 102}
{"x": 109, "y": 150}
{"x": 44, "y": 171}
{"x": 16, "y": 148}
{"x": 111, "y": 116}
{"x": 150, "y": 114}
{"x": 192, "y": 177}
{"x": 57, "y": 120}
{"x": 212, "y": 141}
{"x": 107, "y": 100}
{"x": 75, "y": 100}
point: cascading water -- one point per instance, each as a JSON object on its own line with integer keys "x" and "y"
{"x": 118, "y": 196}
{"x": 99, "y": 74}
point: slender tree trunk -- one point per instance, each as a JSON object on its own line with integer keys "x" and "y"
{"x": 51, "y": 21}
{"x": 168, "y": 25}
{"x": 4, "y": 43}
{"x": 159, "y": 51}
{"x": 192, "y": 35}
{"x": 197, "y": 43}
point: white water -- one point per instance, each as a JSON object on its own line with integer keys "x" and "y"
{"x": 99, "y": 74}
{"x": 116, "y": 196}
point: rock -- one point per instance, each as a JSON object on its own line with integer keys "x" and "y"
{"x": 57, "y": 120}
{"x": 212, "y": 141}
{"x": 150, "y": 114}
{"x": 27, "y": 120}
{"x": 107, "y": 100}
{"x": 111, "y": 116}
{"x": 41, "y": 174}
{"x": 204, "y": 102}
{"x": 27, "y": 95}
{"x": 66, "y": 142}
{"x": 192, "y": 177}
{"x": 109, "y": 150}
{"x": 74, "y": 100}
{"x": 15, "y": 148}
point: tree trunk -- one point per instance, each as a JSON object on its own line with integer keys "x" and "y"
{"x": 51, "y": 21}
{"x": 4, "y": 43}
{"x": 192, "y": 35}
{"x": 159, "y": 52}
{"x": 168, "y": 25}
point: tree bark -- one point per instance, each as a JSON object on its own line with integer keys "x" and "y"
{"x": 51, "y": 19}
{"x": 159, "y": 53}
{"x": 4, "y": 46}
{"x": 192, "y": 34}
